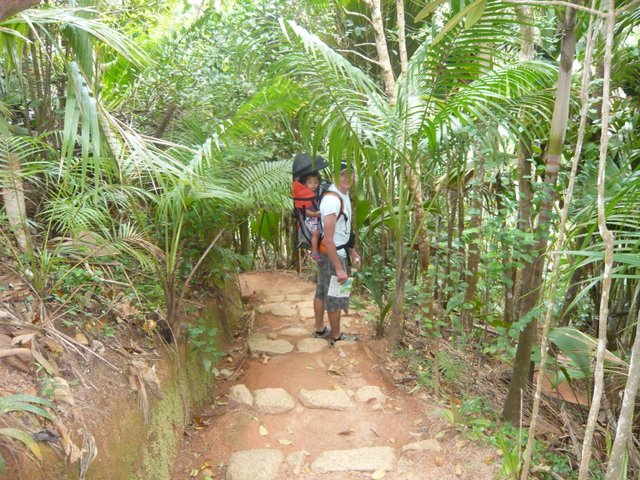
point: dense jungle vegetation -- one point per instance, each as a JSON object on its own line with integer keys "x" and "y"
{"x": 148, "y": 145}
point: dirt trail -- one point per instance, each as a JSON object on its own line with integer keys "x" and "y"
{"x": 299, "y": 439}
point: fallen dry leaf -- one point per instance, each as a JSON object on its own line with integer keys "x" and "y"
{"x": 459, "y": 470}
{"x": 82, "y": 339}
{"x": 378, "y": 474}
{"x": 263, "y": 430}
{"x": 285, "y": 441}
{"x": 439, "y": 460}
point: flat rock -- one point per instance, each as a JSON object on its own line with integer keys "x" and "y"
{"x": 273, "y": 400}
{"x": 259, "y": 464}
{"x": 311, "y": 345}
{"x": 307, "y": 312}
{"x": 239, "y": 397}
{"x": 429, "y": 445}
{"x": 280, "y": 309}
{"x": 295, "y": 461}
{"x": 274, "y": 298}
{"x": 370, "y": 392}
{"x": 360, "y": 459}
{"x": 265, "y": 307}
{"x": 327, "y": 399}
{"x": 295, "y": 332}
{"x": 285, "y": 310}
{"x": 296, "y": 297}
{"x": 259, "y": 343}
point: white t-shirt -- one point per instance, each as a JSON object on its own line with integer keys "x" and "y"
{"x": 330, "y": 204}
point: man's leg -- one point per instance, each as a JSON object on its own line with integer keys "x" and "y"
{"x": 318, "y": 310}
{"x": 334, "y": 322}
{"x": 322, "y": 285}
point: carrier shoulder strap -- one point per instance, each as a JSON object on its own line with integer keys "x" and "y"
{"x": 334, "y": 194}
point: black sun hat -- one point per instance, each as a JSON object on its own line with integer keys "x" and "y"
{"x": 303, "y": 164}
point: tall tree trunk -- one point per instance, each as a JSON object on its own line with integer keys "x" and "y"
{"x": 14, "y": 205}
{"x": 473, "y": 259}
{"x": 383, "y": 52}
{"x": 608, "y": 239}
{"x": 525, "y": 189}
{"x": 410, "y": 171}
{"x": 8, "y": 8}
{"x": 532, "y": 276}
{"x": 402, "y": 41}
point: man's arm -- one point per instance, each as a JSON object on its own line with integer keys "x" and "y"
{"x": 332, "y": 253}
{"x": 355, "y": 257}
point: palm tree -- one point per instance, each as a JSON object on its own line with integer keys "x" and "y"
{"x": 347, "y": 112}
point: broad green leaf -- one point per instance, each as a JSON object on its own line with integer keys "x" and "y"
{"x": 422, "y": 14}
{"x": 25, "y": 438}
{"x": 475, "y": 14}
{"x": 451, "y": 24}
{"x": 580, "y": 348}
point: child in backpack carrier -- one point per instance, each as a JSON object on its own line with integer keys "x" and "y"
{"x": 306, "y": 199}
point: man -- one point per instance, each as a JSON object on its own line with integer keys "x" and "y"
{"x": 335, "y": 215}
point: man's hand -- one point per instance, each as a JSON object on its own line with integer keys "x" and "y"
{"x": 342, "y": 275}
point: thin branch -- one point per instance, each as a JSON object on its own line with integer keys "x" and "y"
{"x": 371, "y": 60}
{"x": 556, "y": 3}
{"x": 185, "y": 286}
{"x": 608, "y": 239}
{"x": 358, "y": 14}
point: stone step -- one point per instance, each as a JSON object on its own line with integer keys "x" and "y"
{"x": 367, "y": 459}
{"x": 311, "y": 345}
{"x": 259, "y": 343}
{"x": 326, "y": 399}
{"x": 258, "y": 464}
{"x": 273, "y": 400}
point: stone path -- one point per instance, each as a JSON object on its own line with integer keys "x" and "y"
{"x": 303, "y": 409}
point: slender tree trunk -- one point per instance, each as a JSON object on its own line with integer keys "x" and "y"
{"x": 383, "y": 52}
{"x": 14, "y": 205}
{"x": 410, "y": 172}
{"x": 473, "y": 259}
{"x": 9, "y": 8}
{"x": 402, "y": 41}
{"x": 166, "y": 118}
{"x": 451, "y": 221}
{"x": 625, "y": 419}
{"x": 555, "y": 272}
{"x": 414, "y": 184}
{"x": 532, "y": 276}
{"x": 608, "y": 239}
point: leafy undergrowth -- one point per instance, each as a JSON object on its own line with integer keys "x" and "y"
{"x": 471, "y": 387}
{"x": 89, "y": 331}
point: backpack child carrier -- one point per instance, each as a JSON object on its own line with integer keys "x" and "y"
{"x": 304, "y": 199}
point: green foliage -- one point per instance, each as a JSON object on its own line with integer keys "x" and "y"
{"x": 377, "y": 280}
{"x": 25, "y": 404}
{"x": 204, "y": 339}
